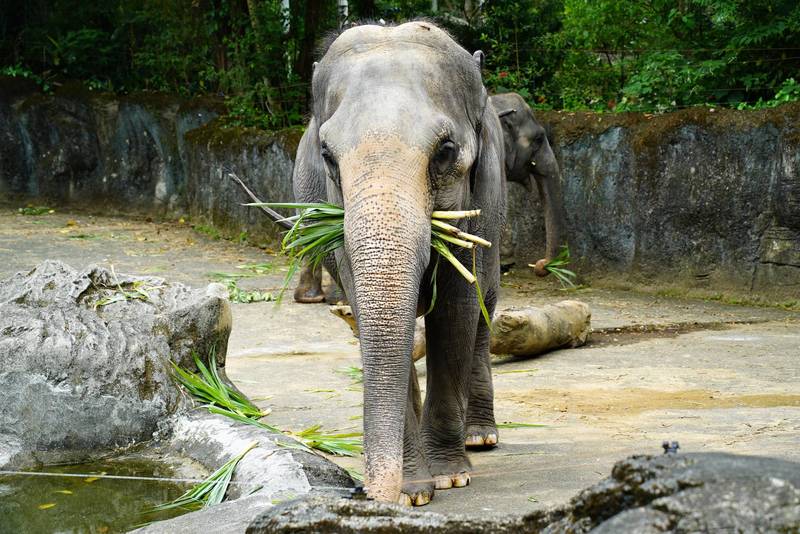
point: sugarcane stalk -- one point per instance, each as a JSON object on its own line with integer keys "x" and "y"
{"x": 455, "y": 214}
{"x": 442, "y": 249}
{"x": 455, "y": 241}
{"x": 457, "y": 232}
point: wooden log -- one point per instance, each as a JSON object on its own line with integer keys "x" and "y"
{"x": 517, "y": 331}
{"x": 530, "y": 331}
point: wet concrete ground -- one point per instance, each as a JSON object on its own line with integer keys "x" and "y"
{"x": 711, "y": 376}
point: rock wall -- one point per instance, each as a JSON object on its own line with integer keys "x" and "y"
{"x": 710, "y": 198}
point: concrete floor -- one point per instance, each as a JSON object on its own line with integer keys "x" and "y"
{"x": 711, "y": 376}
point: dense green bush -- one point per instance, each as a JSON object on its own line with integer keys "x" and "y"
{"x": 649, "y": 55}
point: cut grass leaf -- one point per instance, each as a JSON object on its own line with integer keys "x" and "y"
{"x": 257, "y": 268}
{"x": 512, "y": 371}
{"x": 220, "y": 399}
{"x": 226, "y": 277}
{"x": 208, "y": 387}
{"x": 138, "y": 290}
{"x": 344, "y": 444}
{"x": 511, "y": 425}
{"x": 210, "y": 491}
{"x": 355, "y": 474}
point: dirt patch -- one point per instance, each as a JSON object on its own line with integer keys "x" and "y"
{"x": 633, "y": 401}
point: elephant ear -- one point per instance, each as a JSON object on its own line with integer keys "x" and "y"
{"x": 308, "y": 177}
{"x": 507, "y": 118}
{"x": 487, "y": 175}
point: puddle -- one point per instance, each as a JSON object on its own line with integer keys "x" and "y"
{"x": 43, "y": 504}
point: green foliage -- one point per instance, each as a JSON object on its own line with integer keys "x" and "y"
{"x": 35, "y": 210}
{"x": 221, "y": 399}
{"x": 788, "y": 92}
{"x": 342, "y": 444}
{"x": 210, "y": 491}
{"x": 648, "y": 55}
{"x": 208, "y": 231}
{"x": 207, "y": 386}
{"x": 243, "y": 296}
{"x": 557, "y": 267}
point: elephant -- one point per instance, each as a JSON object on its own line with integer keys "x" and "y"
{"x": 528, "y": 159}
{"x": 402, "y": 125}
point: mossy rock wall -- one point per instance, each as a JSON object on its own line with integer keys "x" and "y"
{"x": 707, "y": 198}
{"x": 262, "y": 160}
{"x": 81, "y": 148}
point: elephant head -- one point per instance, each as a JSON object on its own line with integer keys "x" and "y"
{"x": 396, "y": 132}
{"x": 529, "y": 158}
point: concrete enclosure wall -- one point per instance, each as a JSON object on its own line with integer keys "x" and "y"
{"x": 711, "y": 197}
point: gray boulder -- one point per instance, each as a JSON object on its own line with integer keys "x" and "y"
{"x": 84, "y": 369}
{"x": 689, "y": 493}
{"x": 644, "y": 494}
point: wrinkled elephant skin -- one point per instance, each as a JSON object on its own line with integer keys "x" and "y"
{"x": 393, "y": 137}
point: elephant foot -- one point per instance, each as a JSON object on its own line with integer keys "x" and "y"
{"x": 308, "y": 295}
{"x": 451, "y": 474}
{"x": 481, "y": 437}
{"x": 417, "y": 492}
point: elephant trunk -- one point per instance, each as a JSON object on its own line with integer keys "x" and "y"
{"x": 387, "y": 240}
{"x": 548, "y": 181}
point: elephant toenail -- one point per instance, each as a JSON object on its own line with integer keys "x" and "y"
{"x": 422, "y": 499}
{"x": 404, "y": 500}
{"x": 443, "y": 482}
{"x": 460, "y": 480}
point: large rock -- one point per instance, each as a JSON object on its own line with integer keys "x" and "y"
{"x": 689, "y": 493}
{"x": 79, "y": 377}
{"x": 645, "y": 494}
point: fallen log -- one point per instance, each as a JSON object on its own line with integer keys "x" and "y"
{"x": 517, "y": 331}
{"x": 530, "y": 331}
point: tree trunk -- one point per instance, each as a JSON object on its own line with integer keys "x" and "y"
{"x": 312, "y": 17}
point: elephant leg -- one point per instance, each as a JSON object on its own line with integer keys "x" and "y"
{"x": 417, "y": 481}
{"x": 450, "y": 336}
{"x": 309, "y": 290}
{"x": 481, "y": 427}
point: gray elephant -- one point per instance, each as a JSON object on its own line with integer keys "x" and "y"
{"x": 529, "y": 159}
{"x": 401, "y": 126}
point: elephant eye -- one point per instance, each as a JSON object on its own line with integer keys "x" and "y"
{"x": 330, "y": 164}
{"x": 443, "y": 159}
